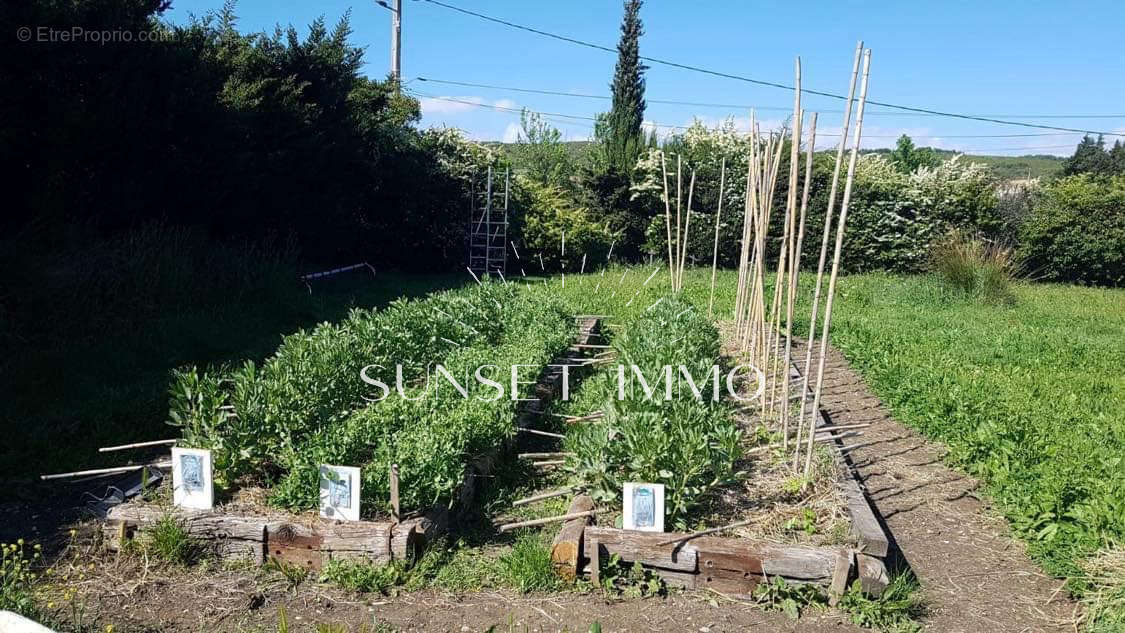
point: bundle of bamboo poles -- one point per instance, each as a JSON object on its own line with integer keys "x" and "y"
{"x": 677, "y": 240}
{"x": 763, "y": 320}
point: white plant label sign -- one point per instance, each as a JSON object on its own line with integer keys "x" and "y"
{"x": 191, "y": 478}
{"x": 644, "y": 507}
{"x": 339, "y": 492}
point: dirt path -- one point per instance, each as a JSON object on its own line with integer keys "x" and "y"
{"x": 975, "y": 576}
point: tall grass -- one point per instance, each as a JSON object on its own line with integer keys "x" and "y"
{"x": 975, "y": 266}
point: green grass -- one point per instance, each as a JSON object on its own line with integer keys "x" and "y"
{"x": 1028, "y": 397}
{"x": 1029, "y": 394}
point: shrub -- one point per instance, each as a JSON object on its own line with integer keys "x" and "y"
{"x": 974, "y": 266}
{"x": 894, "y": 217}
{"x": 1076, "y": 232}
{"x": 548, "y": 213}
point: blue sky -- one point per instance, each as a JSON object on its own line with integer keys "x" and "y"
{"x": 1033, "y": 59}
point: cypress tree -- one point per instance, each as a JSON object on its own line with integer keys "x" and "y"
{"x": 628, "y": 89}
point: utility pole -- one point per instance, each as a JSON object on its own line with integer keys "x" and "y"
{"x": 396, "y": 42}
{"x": 396, "y": 38}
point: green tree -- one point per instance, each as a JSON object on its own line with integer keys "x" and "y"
{"x": 907, "y": 158}
{"x": 1089, "y": 157}
{"x": 625, "y": 140}
{"x": 540, "y": 153}
{"x": 618, "y": 142}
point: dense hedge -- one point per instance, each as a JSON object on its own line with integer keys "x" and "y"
{"x": 1076, "y": 232}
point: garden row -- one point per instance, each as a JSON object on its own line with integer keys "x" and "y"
{"x": 687, "y": 443}
{"x": 272, "y": 424}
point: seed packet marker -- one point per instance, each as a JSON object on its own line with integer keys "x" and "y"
{"x": 339, "y": 492}
{"x": 191, "y": 479}
{"x": 644, "y": 507}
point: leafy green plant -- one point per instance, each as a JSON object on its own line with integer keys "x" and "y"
{"x": 689, "y": 444}
{"x": 629, "y": 581}
{"x": 17, "y": 575}
{"x": 896, "y": 611}
{"x": 364, "y": 577}
{"x": 790, "y": 599}
{"x": 805, "y": 522}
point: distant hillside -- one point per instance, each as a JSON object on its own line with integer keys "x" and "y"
{"x": 1005, "y": 167}
{"x": 1008, "y": 167}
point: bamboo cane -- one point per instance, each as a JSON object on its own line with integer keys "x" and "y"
{"x": 795, "y": 270}
{"x": 679, "y": 212}
{"x": 687, "y": 224}
{"x": 122, "y": 447}
{"x": 828, "y": 231}
{"x": 839, "y": 246}
{"x": 544, "y": 521}
{"x": 667, "y": 214}
{"x": 715, "y": 250}
{"x": 790, "y": 241}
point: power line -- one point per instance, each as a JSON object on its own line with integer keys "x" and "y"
{"x": 743, "y": 106}
{"x": 730, "y": 106}
{"x": 543, "y": 114}
{"x": 556, "y": 115}
{"x": 760, "y": 82}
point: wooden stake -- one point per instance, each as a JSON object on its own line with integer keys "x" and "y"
{"x": 715, "y": 250}
{"x": 836, "y": 254}
{"x": 545, "y": 495}
{"x": 687, "y": 224}
{"x": 827, "y": 232}
{"x": 122, "y": 447}
{"x": 395, "y": 509}
{"x": 667, "y": 213}
{"x": 555, "y": 519}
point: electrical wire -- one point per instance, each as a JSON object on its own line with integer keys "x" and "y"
{"x": 760, "y": 82}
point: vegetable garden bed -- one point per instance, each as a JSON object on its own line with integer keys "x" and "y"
{"x": 532, "y": 331}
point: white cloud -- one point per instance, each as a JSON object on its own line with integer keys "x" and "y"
{"x": 449, "y": 105}
{"x": 506, "y": 104}
{"x": 512, "y": 133}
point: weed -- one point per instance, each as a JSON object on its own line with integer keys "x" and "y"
{"x": 527, "y": 567}
{"x": 17, "y": 575}
{"x": 364, "y": 577}
{"x": 629, "y": 581}
{"x": 974, "y": 266}
{"x": 292, "y": 573}
{"x": 789, "y": 599}
{"x": 804, "y": 522}
{"x": 169, "y": 541}
{"x": 896, "y": 611}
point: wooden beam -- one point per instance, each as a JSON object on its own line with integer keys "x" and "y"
{"x": 566, "y": 549}
{"x": 873, "y": 578}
